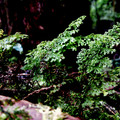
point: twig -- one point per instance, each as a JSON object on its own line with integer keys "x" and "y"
{"x": 111, "y": 88}
{"x": 109, "y": 108}
{"x": 75, "y": 74}
{"x": 38, "y": 91}
{"x": 118, "y": 93}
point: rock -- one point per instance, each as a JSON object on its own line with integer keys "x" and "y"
{"x": 36, "y": 111}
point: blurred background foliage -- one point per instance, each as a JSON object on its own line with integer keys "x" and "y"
{"x": 45, "y": 19}
{"x": 103, "y": 10}
{"x": 40, "y": 19}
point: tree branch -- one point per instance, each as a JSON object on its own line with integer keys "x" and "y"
{"x": 38, "y": 91}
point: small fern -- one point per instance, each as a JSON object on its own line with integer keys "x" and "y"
{"x": 51, "y": 53}
{"x": 95, "y": 77}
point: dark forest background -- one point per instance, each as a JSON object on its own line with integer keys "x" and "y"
{"x": 45, "y": 19}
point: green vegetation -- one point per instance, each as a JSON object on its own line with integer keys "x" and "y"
{"x": 10, "y": 51}
{"x": 87, "y": 92}
{"x": 103, "y": 10}
{"x": 76, "y": 72}
{"x": 7, "y": 45}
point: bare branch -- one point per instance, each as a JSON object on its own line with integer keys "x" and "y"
{"x": 38, "y": 91}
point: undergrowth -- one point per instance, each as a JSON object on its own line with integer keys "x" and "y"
{"x": 88, "y": 91}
